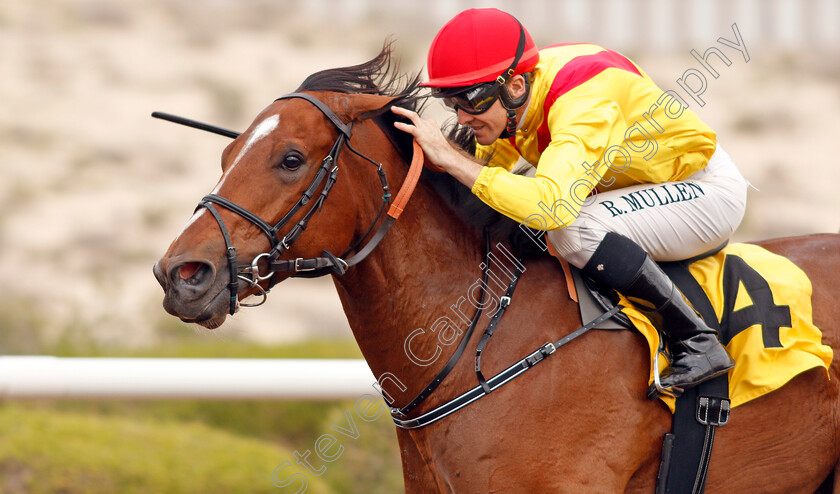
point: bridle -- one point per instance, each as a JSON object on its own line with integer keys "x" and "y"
{"x": 327, "y": 175}
{"x": 331, "y": 264}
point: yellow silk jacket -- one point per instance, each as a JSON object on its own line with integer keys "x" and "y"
{"x": 595, "y": 120}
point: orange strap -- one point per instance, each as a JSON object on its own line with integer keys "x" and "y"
{"x": 567, "y": 271}
{"x": 409, "y": 184}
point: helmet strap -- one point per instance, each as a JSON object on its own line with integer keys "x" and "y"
{"x": 511, "y": 105}
{"x": 506, "y": 75}
{"x": 507, "y": 102}
{"x": 510, "y": 128}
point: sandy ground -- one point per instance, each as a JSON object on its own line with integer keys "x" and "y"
{"x": 92, "y": 190}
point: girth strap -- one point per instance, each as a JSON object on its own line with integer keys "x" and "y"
{"x": 687, "y": 449}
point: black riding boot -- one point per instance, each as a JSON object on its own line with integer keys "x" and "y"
{"x": 620, "y": 263}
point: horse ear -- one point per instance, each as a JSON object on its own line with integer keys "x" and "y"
{"x": 366, "y": 106}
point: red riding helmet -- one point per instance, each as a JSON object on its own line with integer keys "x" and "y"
{"x": 477, "y": 46}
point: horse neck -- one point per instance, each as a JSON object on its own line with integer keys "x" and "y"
{"x": 424, "y": 265}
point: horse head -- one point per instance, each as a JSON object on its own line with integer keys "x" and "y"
{"x": 247, "y": 234}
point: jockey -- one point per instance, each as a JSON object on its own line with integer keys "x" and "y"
{"x": 625, "y": 174}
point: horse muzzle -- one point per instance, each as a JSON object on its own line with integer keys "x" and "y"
{"x": 192, "y": 290}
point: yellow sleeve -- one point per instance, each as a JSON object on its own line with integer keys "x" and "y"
{"x": 499, "y": 154}
{"x": 582, "y": 128}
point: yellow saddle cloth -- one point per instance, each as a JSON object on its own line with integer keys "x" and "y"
{"x": 763, "y": 302}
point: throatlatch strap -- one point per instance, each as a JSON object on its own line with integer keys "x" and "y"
{"x": 687, "y": 450}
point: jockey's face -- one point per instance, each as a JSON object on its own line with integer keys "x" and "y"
{"x": 487, "y": 126}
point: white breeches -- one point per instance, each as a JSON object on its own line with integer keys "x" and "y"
{"x": 671, "y": 220}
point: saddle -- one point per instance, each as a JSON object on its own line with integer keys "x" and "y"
{"x": 760, "y": 305}
{"x": 692, "y": 434}
{"x": 596, "y": 298}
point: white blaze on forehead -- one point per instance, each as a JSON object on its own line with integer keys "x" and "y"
{"x": 262, "y": 129}
{"x": 192, "y": 220}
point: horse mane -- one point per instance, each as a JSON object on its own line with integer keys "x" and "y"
{"x": 381, "y": 76}
{"x": 473, "y": 210}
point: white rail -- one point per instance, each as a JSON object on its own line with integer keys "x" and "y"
{"x": 24, "y": 377}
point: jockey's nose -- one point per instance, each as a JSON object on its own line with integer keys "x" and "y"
{"x": 463, "y": 117}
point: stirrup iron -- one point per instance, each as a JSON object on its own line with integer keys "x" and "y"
{"x": 657, "y": 389}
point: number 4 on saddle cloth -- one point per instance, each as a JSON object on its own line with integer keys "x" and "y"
{"x": 762, "y": 308}
{"x": 760, "y": 304}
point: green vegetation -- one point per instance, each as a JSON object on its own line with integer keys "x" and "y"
{"x": 49, "y": 451}
{"x": 126, "y": 446}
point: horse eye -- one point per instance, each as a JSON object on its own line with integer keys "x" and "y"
{"x": 291, "y": 162}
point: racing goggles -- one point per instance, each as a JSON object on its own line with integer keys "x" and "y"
{"x": 473, "y": 99}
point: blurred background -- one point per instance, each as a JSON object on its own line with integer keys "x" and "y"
{"x": 92, "y": 190}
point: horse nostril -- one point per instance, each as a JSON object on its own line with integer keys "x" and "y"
{"x": 194, "y": 275}
{"x": 188, "y": 270}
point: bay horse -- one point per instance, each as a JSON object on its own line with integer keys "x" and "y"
{"x": 581, "y": 421}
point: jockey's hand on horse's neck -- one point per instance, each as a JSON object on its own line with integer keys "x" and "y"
{"x": 437, "y": 148}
